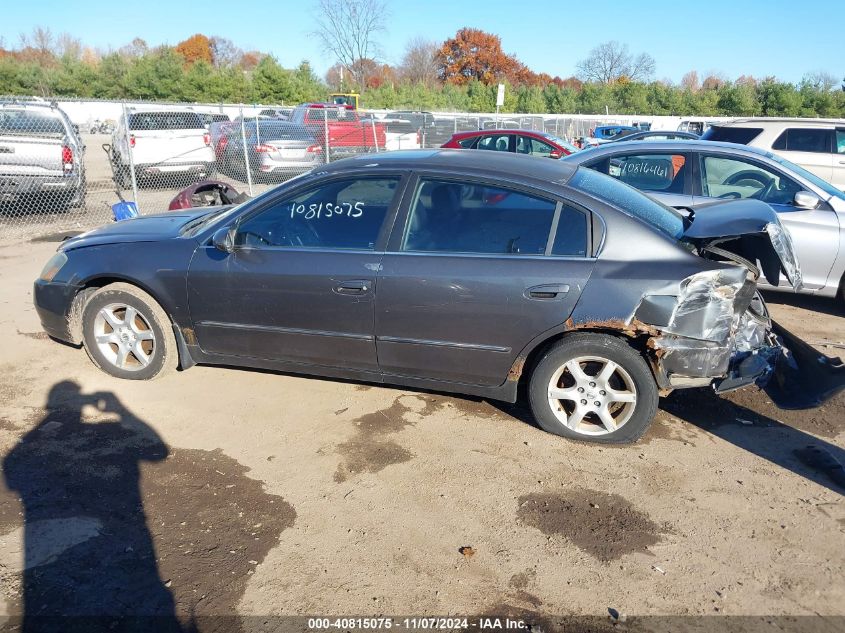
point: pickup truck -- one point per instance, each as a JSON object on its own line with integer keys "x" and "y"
{"x": 339, "y": 129}
{"x": 159, "y": 143}
{"x": 40, "y": 157}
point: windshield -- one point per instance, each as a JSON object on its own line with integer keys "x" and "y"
{"x": 825, "y": 186}
{"x": 569, "y": 147}
{"x": 630, "y": 201}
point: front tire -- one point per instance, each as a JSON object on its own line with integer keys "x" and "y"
{"x": 593, "y": 387}
{"x": 127, "y": 334}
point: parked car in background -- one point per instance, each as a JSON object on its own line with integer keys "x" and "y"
{"x": 696, "y": 174}
{"x": 282, "y": 114}
{"x": 818, "y": 145}
{"x": 513, "y": 141}
{"x": 449, "y": 270}
{"x": 606, "y": 132}
{"x": 161, "y": 143}
{"x": 209, "y": 118}
{"x": 400, "y": 131}
{"x": 696, "y": 126}
{"x": 654, "y": 135}
{"x": 41, "y": 157}
{"x": 339, "y": 129}
{"x": 273, "y": 148}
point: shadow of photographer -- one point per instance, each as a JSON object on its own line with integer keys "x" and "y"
{"x": 89, "y": 559}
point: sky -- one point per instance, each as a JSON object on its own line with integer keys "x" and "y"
{"x": 784, "y": 38}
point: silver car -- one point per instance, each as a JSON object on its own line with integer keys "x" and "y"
{"x": 273, "y": 148}
{"x": 695, "y": 174}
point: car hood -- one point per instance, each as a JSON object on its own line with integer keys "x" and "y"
{"x": 147, "y": 228}
{"x": 750, "y": 229}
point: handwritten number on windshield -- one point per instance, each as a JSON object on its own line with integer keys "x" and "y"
{"x": 327, "y": 210}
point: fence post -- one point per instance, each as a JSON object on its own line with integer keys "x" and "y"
{"x": 373, "y": 124}
{"x": 131, "y": 159}
{"x": 326, "y": 131}
{"x": 247, "y": 168}
{"x": 455, "y": 121}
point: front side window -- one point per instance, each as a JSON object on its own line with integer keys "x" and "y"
{"x": 453, "y": 217}
{"x": 651, "y": 172}
{"x": 840, "y": 142}
{"x": 339, "y": 214}
{"x": 731, "y": 178}
{"x": 496, "y": 142}
{"x": 803, "y": 140}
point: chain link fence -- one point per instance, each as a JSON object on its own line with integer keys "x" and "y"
{"x": 67, "y": 167}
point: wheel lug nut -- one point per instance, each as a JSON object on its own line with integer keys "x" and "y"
{"x": 580, "y": 389}
{"x": 602, "y": 393}
{"x": 597, "y": 403}
{"x": 583, "y": 402}
{"x": 592, "y": 384}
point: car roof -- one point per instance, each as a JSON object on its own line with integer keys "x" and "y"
{"x": 647, "y": 146}
{"x": 773, "y": 120}
{"x": 503, "y": 163}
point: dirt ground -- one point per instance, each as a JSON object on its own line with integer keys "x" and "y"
{"x": 222, "y": 491}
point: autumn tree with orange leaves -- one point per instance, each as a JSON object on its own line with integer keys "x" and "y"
{"x": 474, "y": 54}
{"x": 194, "y": 49}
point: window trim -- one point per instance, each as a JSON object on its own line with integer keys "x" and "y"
{"x": 384, "y": 231}
{"x": 403, "y": 218}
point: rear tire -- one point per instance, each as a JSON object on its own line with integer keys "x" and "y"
{"x": 593, "y": 387}
{"x": 127, "y": 334}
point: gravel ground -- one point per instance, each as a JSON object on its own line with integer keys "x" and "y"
{"x": 217, "y": 491}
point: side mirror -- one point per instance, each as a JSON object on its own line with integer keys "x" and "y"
{"x": 555, "y": 153}
{"x": 224, "y": 239}
{"x": 806, "y": 200}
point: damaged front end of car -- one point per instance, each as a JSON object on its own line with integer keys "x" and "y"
{"x": 714, "y": 328}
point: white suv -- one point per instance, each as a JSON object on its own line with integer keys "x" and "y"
{"x": 161, "y": 142}
{"x": 818, "y": 145}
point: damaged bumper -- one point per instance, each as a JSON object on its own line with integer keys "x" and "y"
{"x": 719, "y": 334}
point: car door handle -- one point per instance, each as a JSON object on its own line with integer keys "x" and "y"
{"x": 353, "y": 287}
{"x": 547, "y": 291}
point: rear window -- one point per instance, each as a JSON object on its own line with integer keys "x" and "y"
{"x": 741, "y": 135}
{"x": 30, "y": 123}
{"x": 804, "y": 140}
{"x": 165, "y": 121}
{"x": 630, "y": 201}
{"x": 276, "y": 131}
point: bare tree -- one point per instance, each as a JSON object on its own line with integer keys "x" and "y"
{"x": 136, "y": 48}
{"x": 611, "y": 61}
{"x": 224, "y": 53}
{"x": 820, "y": 80}
{"x": 347, "y": 29}
{"x": 690, "y": 81}
{"x": 419, "y": 64}
{"x": 68, "y": 46}
{"x": 41, "y": 40}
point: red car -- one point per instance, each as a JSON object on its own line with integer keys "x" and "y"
{"x": 518, "y": 141}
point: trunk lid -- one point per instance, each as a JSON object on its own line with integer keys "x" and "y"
{"x": 751, "y": 230}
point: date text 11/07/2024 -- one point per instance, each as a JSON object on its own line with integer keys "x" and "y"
{"x": 418, "y": 624}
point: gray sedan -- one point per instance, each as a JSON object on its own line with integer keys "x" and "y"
{"x": 695, "y": 174}
{"x": 471, "y": 272}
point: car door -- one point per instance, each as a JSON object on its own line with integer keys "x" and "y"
{"x": 809, "y": 147}
{"x": 664, "y": 175}
{"x": 815, "y": 232}
{"x": 300, "y": 283}
{"x": 473, "y": 276}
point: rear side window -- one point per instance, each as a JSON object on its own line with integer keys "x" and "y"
{"x": 165, "y": 121}
{"x": 651, "y": 172}
{"x": 804, "y": 140}
{"x": 840, "y": 141}
{"x": 30, "y": 123}
{"x": 741, "y": 135}
{"x": 466, "y": 143}
{"x": 497, "y": 142}
{"x": 452, "y": 217}
{"x": 571, "y": 235}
